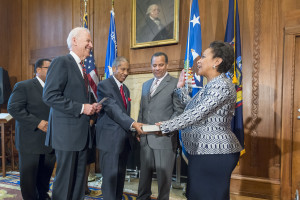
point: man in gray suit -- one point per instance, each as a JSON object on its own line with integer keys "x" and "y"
{"x": 158, "y": 103}
{"x": 66, "y": 92}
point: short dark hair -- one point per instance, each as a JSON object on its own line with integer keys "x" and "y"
{"x": 39, "y": 63}
{"x": 157, "y": 54}
{"x": 225, "y": 51}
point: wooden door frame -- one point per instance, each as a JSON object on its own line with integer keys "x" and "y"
{"x": 291, "y": 31}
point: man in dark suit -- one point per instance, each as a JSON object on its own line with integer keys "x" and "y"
{"x": 36, "y": 161}
{"x": 113, "y": 135}
{"x": 158, "y": 103}
{"x": 66, "y": 92}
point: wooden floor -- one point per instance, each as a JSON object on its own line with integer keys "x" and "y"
{"x": 176, "y": 194}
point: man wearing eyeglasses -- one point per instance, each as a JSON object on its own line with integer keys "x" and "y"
{"x": 36, "y": 161}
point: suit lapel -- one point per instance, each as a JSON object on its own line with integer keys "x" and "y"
{"x": 148, "y": 87}
{"x": 126, "y": 92}
{"x": 38, "y": 85}
{"x": 77, "y": 71}
{"x": 161, "y": 86}
{"x": 117, "y": 91}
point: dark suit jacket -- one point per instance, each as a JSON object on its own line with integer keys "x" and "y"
{"x": 65, "y": 92}
{"x": 162, "y": 106}
{"x": 27, "y": 107}
{"x": 113, "y": 124}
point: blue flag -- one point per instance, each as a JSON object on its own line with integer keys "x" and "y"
{"x": 90, "y": 65}
{"x": 193, "y": 50}
{"x": 232, "y": 36}
{"x": 111, "y": 51}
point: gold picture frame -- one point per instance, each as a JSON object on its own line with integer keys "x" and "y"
{"x": 154, "y": 23}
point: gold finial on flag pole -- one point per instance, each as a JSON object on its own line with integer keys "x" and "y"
{"x": 112, "y": 4}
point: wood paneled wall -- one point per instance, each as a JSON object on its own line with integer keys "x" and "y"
{"x": 39, "y": 28}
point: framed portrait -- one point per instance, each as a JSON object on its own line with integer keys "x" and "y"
{"x": 154, "y": 22}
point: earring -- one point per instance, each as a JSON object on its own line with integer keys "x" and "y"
{"x": 214, "y": 67}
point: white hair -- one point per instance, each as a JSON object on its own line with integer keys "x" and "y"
{"x": 150, "y": 8}
{"x": 75, "y": 33}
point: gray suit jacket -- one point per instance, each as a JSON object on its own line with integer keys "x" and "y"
{"x": 113, "y": 125}
{"x": 162, "y": 106}
{"x": 65, "y": 92}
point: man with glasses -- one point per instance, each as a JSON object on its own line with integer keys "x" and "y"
{"x": 36, "y": 161}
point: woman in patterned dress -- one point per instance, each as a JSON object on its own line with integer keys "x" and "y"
{"x": 213, "y": 149}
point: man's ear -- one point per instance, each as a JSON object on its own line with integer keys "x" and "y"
{"x": 74, "y": 41}
{"x": 114, "y": 69}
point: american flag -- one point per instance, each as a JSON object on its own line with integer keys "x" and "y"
{"x": 90, "y": 65}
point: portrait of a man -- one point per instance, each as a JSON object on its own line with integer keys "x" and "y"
{"x": 155, "y": 20}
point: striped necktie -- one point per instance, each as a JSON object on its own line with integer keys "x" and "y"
{"x": 154, "y": 87}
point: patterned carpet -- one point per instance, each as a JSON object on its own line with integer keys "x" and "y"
{"x": 10, "y": 189}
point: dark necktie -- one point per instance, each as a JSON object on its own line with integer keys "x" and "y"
{"x": 85, "y": 77}
{"x": 123, "y": 96}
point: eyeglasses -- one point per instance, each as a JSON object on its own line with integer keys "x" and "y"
{"x": 45, "y": 67}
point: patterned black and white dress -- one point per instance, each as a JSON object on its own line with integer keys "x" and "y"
{"x": 206, "y": 120}
{"x": 206, "y": 132}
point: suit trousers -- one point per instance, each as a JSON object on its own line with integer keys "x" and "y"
{"x": 209, "y": 176}
{"x": 113, "y": 169}
{"x": 35, "y": 174}
{"x": 69, "y": 182}
{"x": 161, "y": 161}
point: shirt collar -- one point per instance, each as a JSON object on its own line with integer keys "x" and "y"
{"x": 77, "y": 59}
{"x": 41, "y": 82}
{"x": 118, "y": 82}
{"x": 154, "y": 19}
{"x": 162, "y": 78}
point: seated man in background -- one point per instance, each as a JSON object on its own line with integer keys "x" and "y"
{"x": 36, "y": 161}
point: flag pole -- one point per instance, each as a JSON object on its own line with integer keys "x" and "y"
{"x": 112, "y": 4}
{"x": 85, "y": 14}
{"x": 234, "y": 79}
{"x": 85, "y": 6}
{"x": 188, "y": 55}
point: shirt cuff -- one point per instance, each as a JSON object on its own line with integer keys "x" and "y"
{"x": 82, "y": 108}
{"x": 131, "y": 125}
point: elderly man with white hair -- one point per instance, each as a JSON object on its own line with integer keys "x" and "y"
{"x": 153, "y": 29}
{"x": 66, "y": 92}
